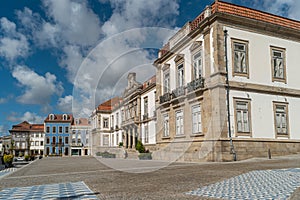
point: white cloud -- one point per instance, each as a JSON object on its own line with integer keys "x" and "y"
{"x": 65, "y": 104}
{"x": 27, "y": 116}
{"x": 129, "y": 14}
{"x": 12, "y": 43}
{"x": 38, "y": 89}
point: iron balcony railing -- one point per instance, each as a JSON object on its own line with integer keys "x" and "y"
{"x": 195, "y": 84}
{"x": 165, "y": 98}
{"x": 180, "y": 91}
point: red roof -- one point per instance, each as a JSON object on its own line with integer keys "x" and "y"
{"x": 149, "y": 82}
{"x": 109, "y": 104}
{"x": 59, "y": 118}
{"x": 27, "y": 127}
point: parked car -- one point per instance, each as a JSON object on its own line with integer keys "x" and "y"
{"x": 19, "y": 159}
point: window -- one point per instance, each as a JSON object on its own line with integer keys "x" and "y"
{"x": 112, "y": 121}
{"x": 117, "y": 119}
{"x": 166, "y": 82}
{"x": 105, "y": 140}
{"x": 179, "y": 123}
{"x": 180, "y": 75}
{"x": 197, "y": 65}
{"x": 47, "y": 129}
{"x": 47, "y": 140}
{"x": 66, "y": 140}
{"x": 196, "y": 118}
{"x": 281, "y": 118}
{"x": 146, "y": 106}
{"x": 60, "y": 140}
{"x": 66, "y": 129}
{"x": 105, "y": 122}
{"x": 32, "y": 143}
{"x": 60, "y": 129}
{"x": 166, "y": 126}
{"x": 242, "y": 114}
{"x": 51, "y": 116}
{"x": 146, "y": 133}
{"x": 240, "y": 58}
{"x": 41, "y": 143}
{"x": 278, "y": 64}
{"x": 65, "y": 117}
{"x": 36, "y": 143}
{"x": 54, "y": 129}
{"x": 53, "y": 140}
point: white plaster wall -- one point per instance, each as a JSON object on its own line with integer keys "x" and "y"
{"x": 260, "y": 70}
{"x": 262, "y": 114}
{"x": 151, "y": 109}
{"x": 187, "y": 64}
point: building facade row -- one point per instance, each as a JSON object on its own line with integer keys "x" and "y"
{"x": 226, "y": 88}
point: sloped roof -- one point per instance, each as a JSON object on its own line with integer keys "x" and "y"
{"x": 108, "y": 105}
{"x": 27, "y": 127}
{"x": 59, "y": 118}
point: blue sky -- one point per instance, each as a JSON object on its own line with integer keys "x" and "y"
{"x": 49, "y": 49}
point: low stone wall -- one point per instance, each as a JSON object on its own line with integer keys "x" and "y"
{"x": 219, "y": 150}
{"x": 119, "y": 151}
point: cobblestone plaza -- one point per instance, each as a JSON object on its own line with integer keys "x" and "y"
{"x": 79, "y": 176}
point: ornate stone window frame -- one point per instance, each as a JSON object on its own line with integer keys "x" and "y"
{"x": 194, "y": 49}
{"x": 242, "y": 42}
{"x": 283, "y": 51}
{"x": 285, "y": 105}
{"x": 236, "y": 100}
{"x": 179, "y": 61}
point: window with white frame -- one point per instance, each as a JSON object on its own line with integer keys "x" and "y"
{"x": 145, "y": 105}
{"x": 278, "y": 64}
{"x": 166, "y": 81}
{"x": 60, "y": 129}
{"x": 166, "y": 126}
{"x": 179, "y": 122}
{"x": 197, "y": 65}
{"x": 180, "y": 75}
{"x": 66, "y": 129}
{"x": 196, "y": 119}
{"x": 47, "y": 129}
{"x": 105, "y": 122}
{"x": 54, "y": 129}
{"x": 242, "y": 110}
{"x": 146, "y": 133}
{"x": 117, "y": 119}
{"x": 240, "y": 58}
{"x": 281, "y": 119}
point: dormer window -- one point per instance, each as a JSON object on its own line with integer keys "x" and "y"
{"x": 51, "y": 116}
{"x": 65, "y": 117}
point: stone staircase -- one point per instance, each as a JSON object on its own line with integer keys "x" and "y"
{"x": 132, "y": 154}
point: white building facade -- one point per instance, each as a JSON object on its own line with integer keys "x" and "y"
{"x": 227, "y": 88}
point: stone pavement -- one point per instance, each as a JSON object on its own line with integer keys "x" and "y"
{"x": 259, "y": 184}
{"x": 77, "y": 190}
{"x": 6, "y": 171}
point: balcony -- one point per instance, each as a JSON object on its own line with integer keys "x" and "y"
{"x": 195, "y": 84}
{"x": 165, "y": 98}
{"x": 178, "y": 92}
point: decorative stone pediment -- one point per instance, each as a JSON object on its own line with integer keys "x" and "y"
{"x": 196, "y": 45}
{"x": 132, "y": 84}
{"x": 179, "y": 57}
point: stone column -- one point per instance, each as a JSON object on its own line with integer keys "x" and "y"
{"x": 125, "y": 144}
{"x": 129, "y": 138}
{"x": 133, "y": 137}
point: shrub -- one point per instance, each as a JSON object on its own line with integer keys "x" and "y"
{"x": 8, "y": 159}
{"x": 27, "y": 157}
{"x": 140, "y": 147}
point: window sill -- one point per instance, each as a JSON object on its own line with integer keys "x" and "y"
{"x": 165, "y": 137}
{"x": 197, "y": 135}
{"x": 180, "y": 136}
